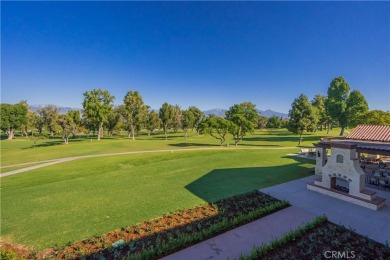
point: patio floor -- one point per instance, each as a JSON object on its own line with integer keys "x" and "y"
{"x": 374, "y": 224}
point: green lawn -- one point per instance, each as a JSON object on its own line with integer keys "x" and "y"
{"x": 78, "y": 199}
{"x": 73, "y": 200}
{"x": 20, "y": 150}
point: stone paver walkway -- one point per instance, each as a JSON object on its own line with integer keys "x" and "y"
{"x": 232, "y": 244}
{"x": 373, "y": 223}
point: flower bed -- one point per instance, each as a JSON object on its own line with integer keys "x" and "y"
{"x": 170, "y": 233}
{"x": 321, "y": 239}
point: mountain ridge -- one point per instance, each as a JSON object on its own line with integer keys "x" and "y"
{"x": 216, "y": 111}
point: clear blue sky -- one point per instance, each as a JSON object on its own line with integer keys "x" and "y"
{"x": 208, "y": 54}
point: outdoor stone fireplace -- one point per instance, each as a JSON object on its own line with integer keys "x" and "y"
{"x": 343, "y": 167}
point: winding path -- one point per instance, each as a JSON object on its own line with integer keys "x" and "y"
{"x": 45, "y": 163}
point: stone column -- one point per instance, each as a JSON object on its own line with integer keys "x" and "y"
{"x": 321, "y": 158}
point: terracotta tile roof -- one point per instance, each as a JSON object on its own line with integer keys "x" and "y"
{"x": 379, "y": 133}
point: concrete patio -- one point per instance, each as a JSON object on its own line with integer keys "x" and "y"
{"x": 374, "y": 224}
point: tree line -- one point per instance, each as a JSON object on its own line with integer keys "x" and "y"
{"x": 341, "y": 107}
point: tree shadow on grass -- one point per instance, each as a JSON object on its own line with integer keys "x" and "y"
{"x": 193, "y": 145}
{"x": 223, "y": 183}
{"x": 282, "y": 139}
{"x": 53, "y": 143}
{"x": 260, "y": 145}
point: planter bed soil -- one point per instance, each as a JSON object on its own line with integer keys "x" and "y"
{"x": 320, "y": 242}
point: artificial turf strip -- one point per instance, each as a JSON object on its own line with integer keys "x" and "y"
{"x": 79, "y": 199}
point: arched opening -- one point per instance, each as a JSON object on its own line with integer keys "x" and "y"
{"x": 339, "y": 184}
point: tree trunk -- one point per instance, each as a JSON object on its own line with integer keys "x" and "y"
{"x": 100, "y": 131}
{"x": 185, "y": 134}
{"x": 149, "y": 133}
{"x": 166, "y": 132}
{"x": 300, "y": 139}
{"x": 132, "y": 128}
{"x": 10, "y": 134}
{"x": 342, "y": 131}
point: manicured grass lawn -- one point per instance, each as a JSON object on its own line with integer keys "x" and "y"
{"x": 78, "y": 199}
{"x": 20, "y": 150}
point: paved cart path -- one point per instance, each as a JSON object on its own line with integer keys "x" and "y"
{"x": 232, "y": 244}
{"x": 45, "y": 163}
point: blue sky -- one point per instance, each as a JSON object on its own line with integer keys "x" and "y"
{"x": 207, "y": 54}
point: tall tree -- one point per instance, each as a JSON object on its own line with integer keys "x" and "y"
{"x": 153, "y": 121}
{"x": 12, "y": 118}
{"x": 357, "y": 108}
{"x": 113, "y": 120}
{"x": 217, "y": 127}
{"x": 199, "y": 116}
{"x": 336, "y": 103}
{"x": 187, "y": 121}
{"x": 67, "y": 125}
{"x": 49, "y": 115}
{"x": 319, "y": 103}
{"x": 244, "y": 116}
{"x": 176, "y": 118}
{"x": 136, "y": 111}
{"x": 377, "y": 117}
{"x": 76, "y": 118}
{"x": 97, "y": 105}
{"x": 274, "y": 122}
{"x": 301, "y": 117}
{"x": 262, "y": 122}
{"x": 166, "y": 116}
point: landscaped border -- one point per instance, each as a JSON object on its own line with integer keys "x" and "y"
{"x": 170, "y": 233}
{"x": 320, "y": 239}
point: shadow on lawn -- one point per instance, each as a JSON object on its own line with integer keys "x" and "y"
{"x": 283, "y": 138}
{"x": 223, "y": 183}
{"x": 52, "y": 143}
{"x": 192, "y": 145}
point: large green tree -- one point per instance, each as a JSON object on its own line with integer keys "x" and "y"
{"x": 153, "y": 121}
{"x": 357, "y": 108}
{"x": 199, "y": 117}
{"x": 341, "y": 106}
{"x": 67, "y": 125}
{"x": 49, "y": 115}
{"x": 186, "y": 121}
{"x": 377, "y": 117}
{"x": 319, "y": 103}
{"x": 75, "y": 115}
{"x": 12, "y": 118}
{"x": 113, "y": 120}
{"x": 176, "y": 118}
{"x": 166, "y": 116}
{"x": 274, "y": 122}
{"x": 244, "y": 117}
{"x": 135, "y": 111}
{"x": 302, "y": 117}
{"x": 217, "y": 127}
{"x": 262, "y": 122}
{"x": 97, "y": 105}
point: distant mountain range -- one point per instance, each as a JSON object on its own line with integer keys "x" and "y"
{"x": 216, "y": 111}
{"x": 63, "y": 110}
{"x": 268, "y": 113}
